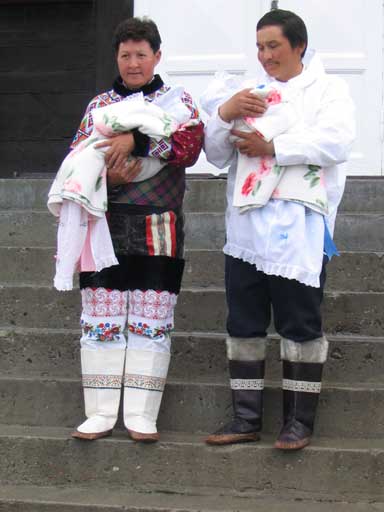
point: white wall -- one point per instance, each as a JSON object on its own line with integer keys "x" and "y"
{"x": 204, "y": 36}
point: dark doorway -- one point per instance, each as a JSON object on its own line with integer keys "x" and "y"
{"x": 55, "y": 56}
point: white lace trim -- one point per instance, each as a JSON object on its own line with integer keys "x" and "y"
{"x": 252, "y": 384}
{"x": 105, "y": 262}
{"x": 301, "y": 385}
{"x": 272, "y": 268}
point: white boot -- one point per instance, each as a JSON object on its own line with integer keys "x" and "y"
{"x": 145, "y": 376}
{"x": 102, "y": 380}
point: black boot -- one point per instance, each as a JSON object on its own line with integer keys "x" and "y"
{"x": 247, "y": 384}
{"x": 301, "y": 390}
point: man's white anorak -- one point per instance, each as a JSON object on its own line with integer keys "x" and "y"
{"x": 286, "y": 238}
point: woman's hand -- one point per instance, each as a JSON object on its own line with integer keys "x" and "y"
{"x": 120, "y": 147}
{"x": 124, "y": 173}
{"x": 242, "y": 104}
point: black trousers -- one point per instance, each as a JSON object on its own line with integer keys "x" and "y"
{"x": 252, "y": 295}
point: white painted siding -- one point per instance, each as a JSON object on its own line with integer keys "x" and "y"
{"x": 204, "y": 36}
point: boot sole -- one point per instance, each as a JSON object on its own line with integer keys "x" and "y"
{"x": 90, "y": 436}
{"x": 292, "y": 446}
{"x": 223, "y": 439}
{"x": 140, "y": 437}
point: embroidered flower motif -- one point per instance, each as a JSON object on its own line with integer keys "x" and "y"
{"x": 249, "y": 183}
{"x": 72, "y": 186}
{"x": 144, "y": 329}
{"x": 273, "y": 97}
{"x": 102, "y": 332}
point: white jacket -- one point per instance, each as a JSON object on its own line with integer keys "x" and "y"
{"x": 325, "y": 140}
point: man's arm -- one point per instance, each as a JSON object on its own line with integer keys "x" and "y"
{"x": 218, "y": 147}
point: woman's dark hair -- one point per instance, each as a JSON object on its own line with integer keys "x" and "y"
{"x": 292, "y": 26}
{"x": 137, "y": 29}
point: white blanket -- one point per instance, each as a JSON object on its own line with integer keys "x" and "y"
{"x": 258, "y": 179}
{"x": 79, "y": 193}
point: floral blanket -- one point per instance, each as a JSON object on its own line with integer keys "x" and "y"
{"x": 82, "y": 177}
{"x": 79, "y": 193}
{"x": 258, "y": 179}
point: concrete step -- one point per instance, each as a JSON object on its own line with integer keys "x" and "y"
{"x": 353, "y": 271}
{"x": 48, "y": 457}
{"x": 27, "y": 228}
{"x": 361, "y": 194}
{"x": 196, "y": 357}
{"x": 197, "y": 310}
{"x": 27, "y": 498}
{"x": 203, "y": 406}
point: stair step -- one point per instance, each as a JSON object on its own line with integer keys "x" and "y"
{"x": 353, "y": 271}
{"x": 197, "y": 309}
{"x": 354, "y": 232}
{"x": 198, "y": 407}
{"x": 361, "y": 194}
{"x": 196, "y": 357}
{"x": 48, "y": 457}
{"x": 26, "y": 498}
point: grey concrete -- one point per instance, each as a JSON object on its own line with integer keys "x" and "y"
{"x": 206, "y": 195}
{"x": 49, "y": 457}
{"x": 359, "y": 272}
{"x": 28, "y": 228}
{"x": 73, "y": 499}
{"x": 197, "y": 310}
{"x": 194, "y": 407}
{"x": 195, "y": 357}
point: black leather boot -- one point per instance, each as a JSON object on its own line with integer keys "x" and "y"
{"x": 247, "y": 384}
{"x": 301, "y": 390}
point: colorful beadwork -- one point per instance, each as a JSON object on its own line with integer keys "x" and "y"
{"x": 144, "y": 329}
{"x": 102, "y": 331}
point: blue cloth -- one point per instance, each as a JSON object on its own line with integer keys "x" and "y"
{"x": 330, "y": 248}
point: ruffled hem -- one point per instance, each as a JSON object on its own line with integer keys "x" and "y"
{"x": 63, "y": 284}
{"x": 106, "y": 262}
{"x": 273, "y": 268}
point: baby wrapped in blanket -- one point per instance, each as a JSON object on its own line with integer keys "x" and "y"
{"x": 258, "y": 179}
{"x": 79, "y": 193}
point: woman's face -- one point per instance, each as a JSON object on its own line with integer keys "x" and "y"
{"x": 136, "y": 62}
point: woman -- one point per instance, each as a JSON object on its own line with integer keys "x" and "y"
{"x": 146, "y": 225}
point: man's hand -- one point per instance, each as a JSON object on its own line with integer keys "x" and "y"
{"x": 242, "y": 104}
{"x": 120, "y": 147}
{"x": 252, "y": 145}
{"x": 123, "y": 174}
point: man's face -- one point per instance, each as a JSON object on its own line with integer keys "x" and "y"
{"x": 276, "y": 55}
{"x": 136, "y": 62}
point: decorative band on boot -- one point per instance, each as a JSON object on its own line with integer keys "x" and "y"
{"x": 301, "y": 389}
{"x": 247, "y": 386}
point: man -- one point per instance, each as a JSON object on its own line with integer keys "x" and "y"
{"x": 147, "y": 228}
{"x": 276, "y": 254}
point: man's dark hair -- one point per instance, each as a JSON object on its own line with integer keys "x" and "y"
{"x": 137, "y": 29}
{"x": 292, "y": 26}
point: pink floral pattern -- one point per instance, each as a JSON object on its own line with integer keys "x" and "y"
{"x": 273, "y": 97}
{"x": 249, "y": 184}
{"x": 72, "y": 186}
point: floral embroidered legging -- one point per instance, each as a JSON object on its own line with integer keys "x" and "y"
{"x": 105, "y": 352}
